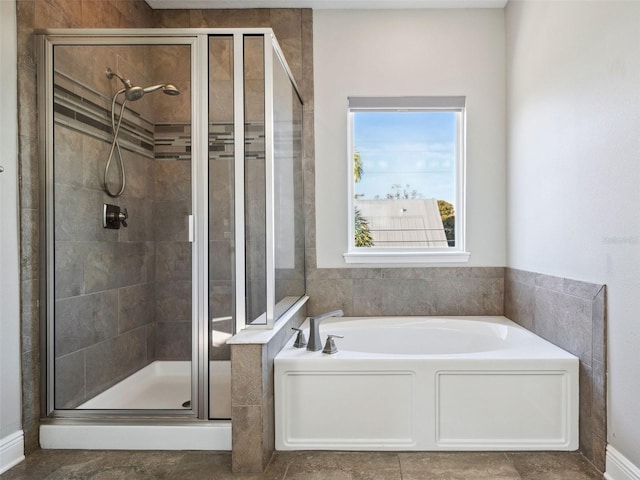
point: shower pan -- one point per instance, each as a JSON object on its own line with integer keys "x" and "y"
{"x": 172, "y": 222}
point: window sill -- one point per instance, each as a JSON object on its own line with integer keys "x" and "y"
{"x": 406, "y": 257}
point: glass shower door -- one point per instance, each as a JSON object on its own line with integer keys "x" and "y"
{"x": 121, "y": 256}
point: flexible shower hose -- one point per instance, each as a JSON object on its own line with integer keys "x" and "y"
{"x": 115, "y": 146}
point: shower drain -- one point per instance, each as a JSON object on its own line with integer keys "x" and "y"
{"x": 187, "y": 404}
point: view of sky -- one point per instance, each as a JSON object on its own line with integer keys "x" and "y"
{"x": 414, "y": 148}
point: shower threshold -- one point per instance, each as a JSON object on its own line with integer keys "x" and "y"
{"x": 159, "y": 385}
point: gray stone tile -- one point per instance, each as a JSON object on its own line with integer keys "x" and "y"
{"x": 519, "y": 303}
{"x": 173, "y": 340}
{"x": 568, "y": 286}
{"x": 520, "y": 276}
{"x": 565, "y": 321}
{"x": 468, "y": 296}
{"x": 78, "y": 214}
{"x": 173, "y": 261}
{"x": 599, "y": 400}
{"x": 394, "y": 297}
{"x": 345, "y": 465}
{"x": 325, "y": 295}
{"x": 41, "y": 463}
{"x": 246, "y": 375}
{"x": 599, "y": 323}
{"x": 110, "y": 361}
{"x": 29, "y": 244}
{"x": 457, "y": 466}
{"x": 599, "y": 448}
{"x": 553, "y": 466}
{"x": 136, "y": 306}
{"x": 29, "y": 173}
{"x": 173, "y": 301}
{"x": 173, "y": 181}
{"x": 69, "y": 380}
{"x": 68, "y": 159}
{"x": 84, "y": 321}
{"x": 151, "y": 342}
{"x": 221, "y": 260}
{"x": 247, "y": 455}
{"x": 69, "y": 282}
{"x": 171, "y": 220}
{"x": 141, "y": 222}
{"x": 30, "y": 327}
{"x": 586, "y": 407}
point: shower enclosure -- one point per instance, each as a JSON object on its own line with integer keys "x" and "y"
{"x": 173, "y": 212}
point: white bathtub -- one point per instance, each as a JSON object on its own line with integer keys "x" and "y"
{"x": 427, "y": 383}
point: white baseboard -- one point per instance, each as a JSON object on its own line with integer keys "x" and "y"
{"x": 619, "y": 467}
{"x": 11, "y": 450}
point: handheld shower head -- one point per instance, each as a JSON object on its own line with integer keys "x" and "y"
{"x": 134, "y": 93}
{"x": 167, "y": 88}
{"x": 170, "y": 89}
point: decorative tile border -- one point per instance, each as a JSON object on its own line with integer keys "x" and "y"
{"x": 80, "y": 108}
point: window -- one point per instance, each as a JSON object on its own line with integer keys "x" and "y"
{"x": 406, "y": 180}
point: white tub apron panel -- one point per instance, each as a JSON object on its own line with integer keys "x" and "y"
{"x": 510, "y": 390}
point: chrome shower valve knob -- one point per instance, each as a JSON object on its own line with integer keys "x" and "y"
{"x": 113, "y": 216}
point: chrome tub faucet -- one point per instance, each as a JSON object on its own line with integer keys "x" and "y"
{"x": 315, "y": 343}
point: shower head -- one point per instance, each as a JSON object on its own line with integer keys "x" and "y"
{"x": 133, "y": 93}
{"x": 167, "y": 88}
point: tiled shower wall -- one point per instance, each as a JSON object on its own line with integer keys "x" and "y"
{"x": 572, "y": 315}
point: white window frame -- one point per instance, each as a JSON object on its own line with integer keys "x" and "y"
{"x": 419, "y": 255}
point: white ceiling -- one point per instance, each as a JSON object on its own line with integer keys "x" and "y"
{"x": 326, "y": 4}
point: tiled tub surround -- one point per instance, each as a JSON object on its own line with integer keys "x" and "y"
{"x": 405, "y": 291}
{"x": 572, "y": 315}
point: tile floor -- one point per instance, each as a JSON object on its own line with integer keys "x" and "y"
{"x": 129, "y": 465}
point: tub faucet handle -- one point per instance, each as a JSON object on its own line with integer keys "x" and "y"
{"x": 300, "y": 340}
{"x": 330, "y": 347}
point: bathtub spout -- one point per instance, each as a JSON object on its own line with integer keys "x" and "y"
{"x": 315, "y": 343}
